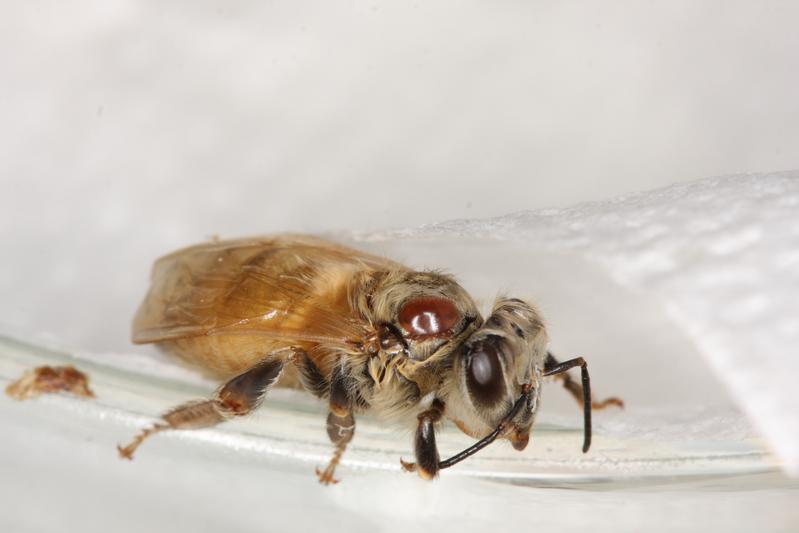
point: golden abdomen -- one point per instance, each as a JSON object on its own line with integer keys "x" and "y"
{"x": 222, "y": 356}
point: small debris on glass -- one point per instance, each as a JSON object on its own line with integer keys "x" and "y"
{"x": 48, "y": 380}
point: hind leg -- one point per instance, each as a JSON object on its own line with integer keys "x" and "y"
{"x": 238, "y": 397}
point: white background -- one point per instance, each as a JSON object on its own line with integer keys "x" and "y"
{"x": 131, "y": 128}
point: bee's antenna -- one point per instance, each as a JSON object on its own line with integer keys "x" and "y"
{"x": 552, "y": 367}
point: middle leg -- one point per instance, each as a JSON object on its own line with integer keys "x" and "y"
{"x": 340, "y": 420}
{"x": 340, "y": 429}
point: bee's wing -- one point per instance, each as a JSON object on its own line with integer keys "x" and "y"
{"x": 252, "y": 287}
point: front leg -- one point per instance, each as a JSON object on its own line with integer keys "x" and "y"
{"x": 426, "y": 443}
{"x": 575, "y": 389}
{"x": 427, "y": 458}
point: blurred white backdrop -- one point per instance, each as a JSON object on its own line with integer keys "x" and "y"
{"x": 130, "y": 128}
{"x": 141, "y": 126}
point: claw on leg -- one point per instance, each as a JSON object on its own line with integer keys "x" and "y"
{"x": 406, "y": 466}
{"x": 326, "y": 476}
{"x": 424, "y": 473}
{"x": 126, "y": 452}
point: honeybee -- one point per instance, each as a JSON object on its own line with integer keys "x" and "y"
{"x": 362, "y": 332}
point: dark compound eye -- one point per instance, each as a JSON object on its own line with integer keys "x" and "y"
{"x": 484, "y": 376}
{"x": 429, "y": 317}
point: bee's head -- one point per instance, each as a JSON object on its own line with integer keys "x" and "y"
{"x": 493, "y": 365}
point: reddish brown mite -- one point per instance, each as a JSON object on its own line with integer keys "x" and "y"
{"x": 48, "y": 380}
{"x": 362, "y": 332}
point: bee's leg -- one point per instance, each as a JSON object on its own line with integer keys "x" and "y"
{"x": 340, "y": 421}
{"x": 238, "y": 397}
{"x": 427, "y": 459}
{"x": 310, "y": 376}
{"x": 575, "y": 389}
{"x": 340, "y": 429}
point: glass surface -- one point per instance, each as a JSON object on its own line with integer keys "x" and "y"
{"x": 630, "y": 448}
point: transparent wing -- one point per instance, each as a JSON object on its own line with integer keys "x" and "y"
{"x": 264, "y": 286}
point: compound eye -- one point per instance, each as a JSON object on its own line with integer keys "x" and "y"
{"x": 484, "y": 376}
{"x": 429, "y": 317}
